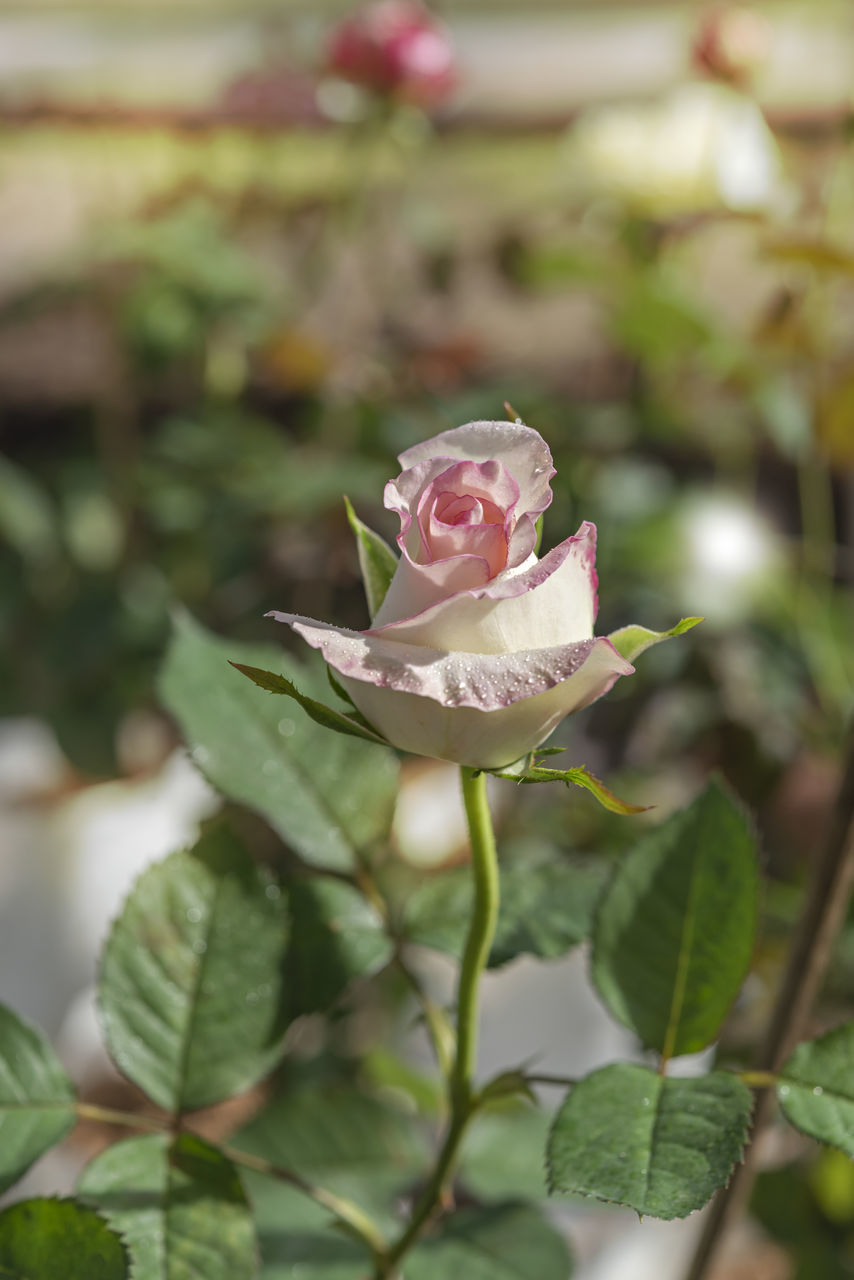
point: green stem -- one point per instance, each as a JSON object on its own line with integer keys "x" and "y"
{"x": 484, "y": 863}
{"x": 461, "y": 1093}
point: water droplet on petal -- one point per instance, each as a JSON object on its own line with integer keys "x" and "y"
{"x": 817, "y": 1091}
{"x": 194, "y": 915}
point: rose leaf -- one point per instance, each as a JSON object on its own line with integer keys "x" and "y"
{"x": 191, "y": 1013}
{"x": 329, "y": 797}
{"x": 816, "y": 1089}
{"x": 43, "y": 1239}
{"x": 36, "y": 1097}
{"x": 179, "y": 1205}
{"x": 661, "y": 1145}
{"x": 675, "y": 929}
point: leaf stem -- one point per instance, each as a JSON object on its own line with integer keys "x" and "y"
{"x": 123, "y": 1119}
{"x": 344, "y": 1210}
{"x": 461, "y": 1092}
{"x": 347, "y": 1213}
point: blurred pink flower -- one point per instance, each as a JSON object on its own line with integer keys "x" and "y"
{"x": 394, "y": 48}
{"x": 731, "y": 44}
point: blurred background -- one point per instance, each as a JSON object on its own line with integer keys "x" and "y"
{"x": 248, "y": 253}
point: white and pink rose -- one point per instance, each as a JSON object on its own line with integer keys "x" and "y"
{"x": 480, "y": 648}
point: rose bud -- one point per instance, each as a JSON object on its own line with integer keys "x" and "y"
{"x": 397, "y": 49}
{"x": 731, "y": 44}
{"x": 479, "y": 648}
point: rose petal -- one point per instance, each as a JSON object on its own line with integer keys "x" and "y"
{"x": 486, "y": 681}
{"x": 481, "y": 710}
{"x": 550, "y": 603}
{"x": 522, "y": 450}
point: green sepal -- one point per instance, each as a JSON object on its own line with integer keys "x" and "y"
{"x": 580, "y": 776}
{"x": 328, "y": 717}
{"x": 377, "y": 561}
{"x": 632, "y": 641}
{"x": 337, "y": 687}
{"x": 509, "y": 1084}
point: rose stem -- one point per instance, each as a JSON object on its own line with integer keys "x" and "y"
{"x": 822, "y": 917}
{"x": 461, "y": 1094}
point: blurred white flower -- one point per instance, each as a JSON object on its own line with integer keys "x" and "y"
{"x": 732, "y": 556}
{"x": 704, "y": 147}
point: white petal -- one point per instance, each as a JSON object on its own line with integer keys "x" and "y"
{"x": 480, "y": 710}
{"x": 553, "y": 602}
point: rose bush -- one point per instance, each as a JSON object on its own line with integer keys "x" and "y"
{"x": 480, "y": 648}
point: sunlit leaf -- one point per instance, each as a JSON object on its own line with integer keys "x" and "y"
{"x": 193, "y": 989}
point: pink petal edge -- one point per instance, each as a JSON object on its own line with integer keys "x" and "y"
{"x": 486, "y": 682}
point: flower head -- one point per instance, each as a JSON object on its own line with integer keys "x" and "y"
{"x": 479, "y": 648}
{"x": 394, "y": 48}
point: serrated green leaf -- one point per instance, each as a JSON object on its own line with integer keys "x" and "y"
{"x": 508, "y": 1241}
{"x": 49, "y": 1239}
{"x": 36, "y": 1097}
{"x": 377, "y": 561}
{"x": 632, "y": 641}
{"x": 674, "y": 932}
{"x": 329, "y": 798}
{"x": 192, "y": 985}
{"x": 580, "y": 776}
{"x": 661, "y": 1145}
{"x": 816, "y": 1088}
{"x": 179, "y": 1205}
{"x": 325, "y": 716}
{"x": 336, "y": 936}
{"x": 546, "y": 908}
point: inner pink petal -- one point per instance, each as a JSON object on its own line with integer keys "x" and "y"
{"x": 468, "y": 510}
